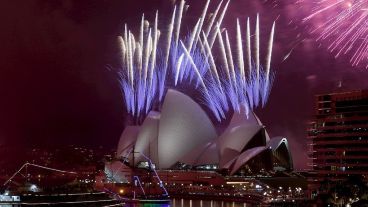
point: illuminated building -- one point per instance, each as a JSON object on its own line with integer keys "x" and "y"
{"x": 182, "y": 137}
{"x": 339, "y": 136}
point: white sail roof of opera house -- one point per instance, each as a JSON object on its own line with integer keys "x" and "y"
{"x": 183, "y": 132}
{"x": 233, "y": 141}
{"x": 202, "y": 155}
{"x": 241, "y": 130}
{"x": 243, "y": 118}
{"x": 276, "y": 142}
{"x": 146, "y": 143}
{"x": 127, "y": 140}
{"x": 245, "y": 157}
{"x": 281, "y": 144}
{"x": 183, "y": 126}
{"x": 223, "y": 151}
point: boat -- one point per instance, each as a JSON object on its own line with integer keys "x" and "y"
{"x": 14, "y": 193}
{"x": 61, "y": 199}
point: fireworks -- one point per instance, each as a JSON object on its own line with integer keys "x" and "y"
{"x": 343, "y": 24}
{"x": 202, "y": 60}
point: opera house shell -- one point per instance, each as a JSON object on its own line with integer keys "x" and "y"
{"x": 183, "y": 136}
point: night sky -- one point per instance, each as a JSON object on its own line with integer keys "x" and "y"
{"x": 56, "y": 88}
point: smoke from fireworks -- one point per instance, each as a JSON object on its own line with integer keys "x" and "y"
{"x": 343, "y": 24}
{"x": 202, "y": 60}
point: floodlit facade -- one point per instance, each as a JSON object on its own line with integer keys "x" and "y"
{"x": 182, "y": 136}
{"x": 146, "y": 142}
{"x": 338, "y": 136}
{"x": 183, "y": 126}
{"x": 127, "y": 140}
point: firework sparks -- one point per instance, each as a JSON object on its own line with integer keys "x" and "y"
{"x": 343, "y": 24}
{"x": 147, "y": 70}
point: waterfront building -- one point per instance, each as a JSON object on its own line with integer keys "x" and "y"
{"x": 338, "y": 136}
{"x": 181, "y": 137}
{"x": 179, "y": 150}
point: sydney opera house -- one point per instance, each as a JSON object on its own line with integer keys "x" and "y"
{"x": 183, "y": 138}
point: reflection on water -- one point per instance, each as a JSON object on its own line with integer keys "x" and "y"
{"x": 192, "y": 203}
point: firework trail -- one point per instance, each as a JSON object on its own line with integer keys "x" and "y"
{"x": 343, "y": 25}
{"x": 201, "y": 60}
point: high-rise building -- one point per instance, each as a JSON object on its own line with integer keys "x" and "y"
{"x": 338, "y": 136}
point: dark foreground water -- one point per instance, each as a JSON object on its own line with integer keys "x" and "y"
{"x": 194, "y": 203}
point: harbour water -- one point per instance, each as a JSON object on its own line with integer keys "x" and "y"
{"x": 173, "y": 203}
{"x": 193, "y": 203}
